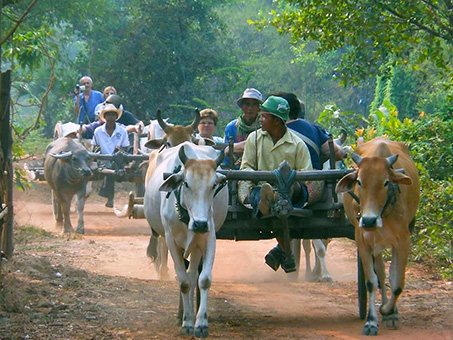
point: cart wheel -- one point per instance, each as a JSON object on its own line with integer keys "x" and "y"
{"x": 139, "y": 189}
{"x": 6, "y": 208}
{"x": 295, "y": 248}
{"x": 362, "y": 293}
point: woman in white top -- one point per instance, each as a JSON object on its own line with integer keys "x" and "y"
{"x": 208, "y": 125}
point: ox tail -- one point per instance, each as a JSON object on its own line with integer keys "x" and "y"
{"x": 151, "y": 250}
{"x": 412, "y": 225}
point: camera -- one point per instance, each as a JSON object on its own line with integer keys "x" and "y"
{"x": 80, "y": 87}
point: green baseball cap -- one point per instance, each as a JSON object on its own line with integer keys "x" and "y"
{"x": 277, "y": 106}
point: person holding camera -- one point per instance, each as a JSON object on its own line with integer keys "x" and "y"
{"x": 85, "y": 101}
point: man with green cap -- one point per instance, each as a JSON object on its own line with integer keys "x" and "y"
{"x": 265, "y": 149}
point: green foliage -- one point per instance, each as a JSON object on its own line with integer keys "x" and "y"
{"x": 369, "y": 32}
{"x": 336, "y": 120}
{"x": 433, "y": 237}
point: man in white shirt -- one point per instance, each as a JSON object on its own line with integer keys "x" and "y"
{"x": 110, "y": 137}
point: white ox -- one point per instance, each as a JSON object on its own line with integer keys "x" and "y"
{"x": 196, "y": 184}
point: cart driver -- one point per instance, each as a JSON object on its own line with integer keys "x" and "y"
{"x": 110, "y": 137}
{"x": 265, "y": 149}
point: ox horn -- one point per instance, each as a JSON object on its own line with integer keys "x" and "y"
{"x": 182, "y": 155}
{"x": 392, "y": 159}
{"x": 161, "y": 122}
{"x": 343, "y": 136}
{"x": 62, "y": 155}
{"x": 219, "y": 158}
{"x": 93, "y": 154}
{"x": 196, "y": 120}
{"x": 356, "y": 158}
{"x": 127, "y": 209}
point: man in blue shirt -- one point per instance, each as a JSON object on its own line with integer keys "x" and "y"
{"x": 247, "y": 122}
{"x": 86, "y": 101}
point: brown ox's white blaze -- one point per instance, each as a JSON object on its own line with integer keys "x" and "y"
{"x": 197, "y": 182}
{"x": 379, "y": 228}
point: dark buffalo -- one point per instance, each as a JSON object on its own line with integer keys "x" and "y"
{"x": 67, "y": 170}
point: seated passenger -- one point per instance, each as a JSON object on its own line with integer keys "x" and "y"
{"x": 247, "y": 122}
{"x": 265, "y": 149}
{"x": 208, "y": 125}
{"x": 109, "y": 90}
{"x": 316, "y": 140}
{"x": 127, "y": 119}
{"x": 314, "y": 137}
{"x": 110, "y": 137}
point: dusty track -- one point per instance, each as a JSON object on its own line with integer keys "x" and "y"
{"x": 108, "y": 288}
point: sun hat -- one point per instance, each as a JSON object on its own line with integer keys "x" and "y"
{"x": 110, "y": 108}
{"x": 250, "y": 93}
{"x": 277, "y": 106}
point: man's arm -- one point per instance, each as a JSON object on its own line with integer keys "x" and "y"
{"x": 325, "y": 151}
{"x": 76, "y": 103}
{"x": 238, "y": 148}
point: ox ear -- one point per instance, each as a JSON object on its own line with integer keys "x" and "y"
{"x": 400, "y": 178}
{"x": 155, "y": 143}
{"x": 346, "y": 183}
{"x": 172, "y": 182}
{"x": 63, "y": 155}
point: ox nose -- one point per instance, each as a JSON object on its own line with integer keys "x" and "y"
{"x": 200, "y": 227}
{"x": 87, "y": 172}
{"x": 369, "y": 222}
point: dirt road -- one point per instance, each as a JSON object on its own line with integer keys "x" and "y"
{"x": 102, "y": 286}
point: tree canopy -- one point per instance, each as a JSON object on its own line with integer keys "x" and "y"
{"x": 369, "y": 33}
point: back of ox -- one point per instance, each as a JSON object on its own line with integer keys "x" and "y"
{"x": 196, "y": 183}
{"x": 67, "y": 171}
{"x": 382, "y": 212}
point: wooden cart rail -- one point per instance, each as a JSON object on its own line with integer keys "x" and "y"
{"x": 126, "y": 168}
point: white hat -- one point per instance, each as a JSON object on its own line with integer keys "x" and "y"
{"x": 250, "y": 93}
{"x": 110, "y": 108}
{"x": 69, "y": 128}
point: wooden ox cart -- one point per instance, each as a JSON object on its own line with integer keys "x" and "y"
{"x": 323, "y": 220}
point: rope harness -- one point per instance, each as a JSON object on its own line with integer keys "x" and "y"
{"x": 392, "y": 191}
{"x": 183, "y": 214}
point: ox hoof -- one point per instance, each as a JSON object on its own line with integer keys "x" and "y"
{"x": 391, "y": 321}
{"x": 201, "y": 332}
{"x": 80, "y": 231}
{"x": 370, "y": 329}
{"x": 327, "y": 279}
{"x": 187, "y": 330}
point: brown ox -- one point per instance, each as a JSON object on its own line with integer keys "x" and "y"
{"x": 384, "y": 207}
